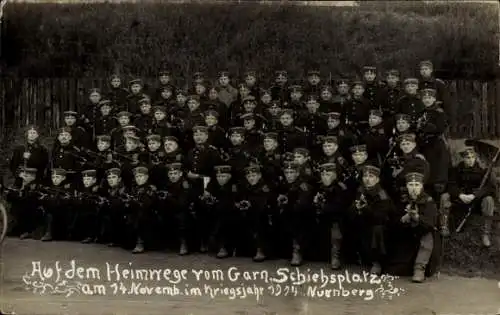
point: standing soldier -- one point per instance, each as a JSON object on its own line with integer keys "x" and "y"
{"x": 370, "y": 215}
{"x": 144, "y": 120}
{"x": 390, "y": 96}
{"x": 31, "y": 154}
{"x": 270, "y": 159}
{"x": 252, "y": 202}
{"x": 372, "y": 87}
{"x": 251, "y": 80}
{"x": 295, "y": 96}
{"x": 89, "y": 112}
{"x": 65, "y": 155}
{"x": 173, "y": 153}
{"x": 359, "y": 156}
{"x": 429, "y": 81}
{"x": 116, "y": 93}
{"x": 465, "y": 181}
{"x": 290, "y": 136}
{"x": 279, "y": 91}
{"x": 161, "y": 124}
{"x": 376, "y": 139}
{"x": 238, "y": 156}
{"x": 330, "y": 206}
{"x": 217, "y": 135}
{"x": 326, "y": 100}
{"x": 81, "y": 138}
{"x": 272, "y": 116}
{"x": 313, "y": 123}
{"x": 155, "y": 159}
{"x": 165, "y": 96}
{"x": 105, "y": 122}
{"x": 342, "y": 96}
{"x": 357, "y": 110}
{"x": 227, "y": 93}
{"x": 265, "y": 98}
{"x": 136, "y": 94}
{"x": 253, "y": 131}
{"x": 294, "y": 202}
{"x": 313, "y": 82}
{"x": 410, "y": 103}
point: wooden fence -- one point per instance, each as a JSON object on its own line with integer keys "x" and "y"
{"x": 41, "y": 101}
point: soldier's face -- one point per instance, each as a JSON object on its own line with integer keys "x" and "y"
{"x": 470, "y": 159}
{"x": 327, "y": 177}
{"x": 64, "y": 138}
{"x": 250, "y": 80}
{"x": 211, "y": 120}
{"x": 141, "y": 179}
{"x": 135, "y": 88}
{"x": 145, "y": 108}
{"x": 57, "y": 179}
{"x": 249, "y": 124}
{"x": 103, "y": 145}
{"x": 358, "y": 90}
{"x": 333, "y": 123}
{"x": 312, "y": 105}
{"x": 299, "y": 158}
{"x": 343, "y": 89}
{"x": 113, "y": 180}
{"x": 253, "y": 178}
{"x": 425, "y": 71}
{"x": 153, "y": 145}
{"x": 369, "y": 76}
{"x": 374, "y": 120}
{"x": 223, "y": 178}
{"x": 266, "y": 98}
{"x": 402, "y": 125}
{"x": 213, "y": 94}
{"x": 166, "y": 94}
{"x": 428, "y": 100}
{"x": 330, "y": 148}
{"x": 270, "y": 144}
{"x": 124, "y": 120}
{"x": 236, "y": 139}
{"x": 70, "y": 120}
{"x": 200, "y": 137}
{"x": 370, "y": 180}
{"x": 274, "y": 110}
{"x": 193, "y": 105}
{"x": 411, "y": 88}
{"x": 407, "y": 146}
{"x": 291, "y": 175}
{"x": 224, "y": 80}
{"x": 200, "y": 89}
{"x": 181, "y": 99}
{"x": 95, "y": 97}
{"x": 286, "y": 120}
{"x": 130, "y": 145}
{"x": 116, "y": 82}
{"x": 414, "y": 189}
{"x": 326, "y": 95}
{"x": 296, "y": 95}
{"x": 170, "y": 146}
{"x": 174, "y": 175}
{"x": 88, "y": 181}
{"x": 164, "y": 79}
{"x": 32, "y": 135}
{"x": 244, "y": 91}
{"x": 249, "y": 106}
{"x": 159, "y": 115}
{"x": 359, "y": 157}
{"x": 105, "y": 110}
{"x": 314, "y": 79}
{"x": 392, "y": 80}
{"x": 129, "y": 133}
{"x": 281, "y": 79}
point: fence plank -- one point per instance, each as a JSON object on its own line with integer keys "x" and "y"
{"x": 484, "y": 109}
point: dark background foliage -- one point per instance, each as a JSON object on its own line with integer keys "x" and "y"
{"x": 61, "y": 40}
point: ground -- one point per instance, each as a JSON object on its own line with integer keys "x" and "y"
{"x": 446, "y": 295}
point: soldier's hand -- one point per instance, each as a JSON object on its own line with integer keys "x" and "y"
{"x": 26, "y": 155}
{"x": 471, "y": 197}
{"x": 206, "y": 194}
{"x": 463, "y": 198}
{"x": 406, "y": 218}
{"x": 192, "y": 175}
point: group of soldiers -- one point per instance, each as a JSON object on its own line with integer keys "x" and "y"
{"x": 360, "y": 165}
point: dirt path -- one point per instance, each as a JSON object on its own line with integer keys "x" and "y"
{"x": 448, "y": 295}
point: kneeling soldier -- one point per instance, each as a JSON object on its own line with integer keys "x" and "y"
{"x": 330, "y": 204}
{"x": 420, "y": 219}
{"x": 465, "y": 180}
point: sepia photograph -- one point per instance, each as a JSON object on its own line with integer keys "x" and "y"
{"x": 276, "y": 157}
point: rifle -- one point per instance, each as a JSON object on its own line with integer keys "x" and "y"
{"x": 84, "y": 195}
{"x": 483, "y": 183}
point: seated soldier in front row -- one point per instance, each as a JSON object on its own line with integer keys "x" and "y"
{"x": 465, "y": 191}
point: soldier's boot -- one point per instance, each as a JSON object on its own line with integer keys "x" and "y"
{"x": 183, "y": 250}
{"x": 336, "y": 238}
{"x": 423, "y": 257}
{"x": 139, "y": 247}
{"x": 296, "y": 255}
{"x": 222, "y": 253}
{"x": 259, "y": 255}
{"x": 376, "y": 269}
{"x": 487, "y": 232}
{"x": 445, "y": 205}
{"x": 203, "y": 247}
{"x": 47, "y": 237}
{"x": 26, "y": 235}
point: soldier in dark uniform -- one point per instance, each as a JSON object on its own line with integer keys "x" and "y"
{"x": 359, "y": 156}
{"x": 372, "y": 87}
{"x": 294, "y": 202}
{"x": 253, "y": 126}
{"x": 376, "y": 139}
{"x": 215, "y": 104}
{"x": 219, "y": 198}
{"x": 326, "y": 100}
{"x": 463, "y": 192}
{"x": 165, "y": 96}
{"x": 313, "y": 123}
{"x": 105, "y": 123}
{"x": 144, "y": 120}
{"x": 403, "y": 124}
{"x": 272, "y": 116}
{"x": 79, "y": 135}
{"x": 116, "y": 93}
{"x": 173, "y": 153}
{"x": 331, "y": 154}
{"x": 200, "y": 89}
{"x": 251, "y": 80}
{"x": 140, "y": 206}
{"x": 227, "y": 93}
{"x": 296, "y": 97}
{"x": 238, "y": 156}
{"x": 252, "y": 203}
{"x": 370, "y": 214}
{"x": 265, "y": 98}
{"x": 193, "y": 117}
{"x": 390, "y": 96}
{"x": 418, "y": 220}
{"x": 217, "y": 135}
{"x": 429, "y": 81}
{"x": 330, "y": 205}
{"x": 25, "y": 203}
{"x": 132, "y": 156}
{"x": 302, "y": 159}
{"x": 112, "y": 214}
{"x": 313, "y": 82}
{"x": 120, "y": 136}
{"x": 124, "y": 121}
{"x": 342, "y": 96}
{"x": 432, "y": 126}
{"x": 357, "y": 110}
{"x": 31, "y": 154}
{"x": 179, "y": 108}
{"x": 105, "y": 158}
{"x": 279, "y": 91}
{"x": 136, "y": 94}
{"x": 85, "y": 224}
{"x": 89, "y": 111}
{"x": 155, "y": 159}
{"x": 162, "y": 125}
{"x": 56, "y": 205}
{"x": 334, "y": 127}
{"x": 269, "y": 158}
{"x": 66, "y": 156}
{"x": 410, "y": 103}
{"x": 290, "y": 136}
